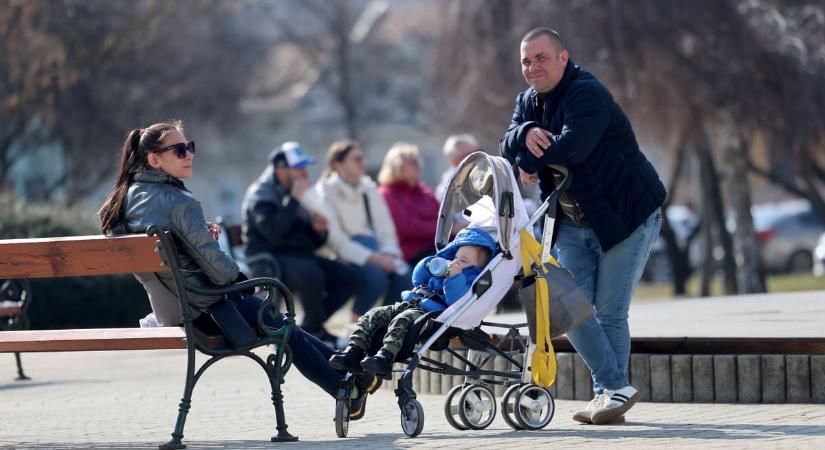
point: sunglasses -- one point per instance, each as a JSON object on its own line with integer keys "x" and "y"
{"x": 180, "y": 149}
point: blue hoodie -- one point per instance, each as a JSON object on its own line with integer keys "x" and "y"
{"x": 450, "y": 289}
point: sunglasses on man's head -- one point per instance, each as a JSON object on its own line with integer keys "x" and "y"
{"x": 180, "y": 149}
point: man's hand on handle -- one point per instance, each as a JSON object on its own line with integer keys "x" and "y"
{"x": 527, "y": 178}
{"x": 537, "y": 141}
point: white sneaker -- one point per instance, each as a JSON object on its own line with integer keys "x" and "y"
{"x": 584, "y": 415}
{"x": 617, "y": 404}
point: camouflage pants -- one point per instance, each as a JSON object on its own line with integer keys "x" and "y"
{"x": 397, "y": 318}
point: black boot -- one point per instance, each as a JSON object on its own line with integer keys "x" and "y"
{"x": 380, "y": 364}
{"x": 348, "y": 359}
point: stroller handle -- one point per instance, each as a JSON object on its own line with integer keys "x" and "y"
{"x": 553, "y": 197}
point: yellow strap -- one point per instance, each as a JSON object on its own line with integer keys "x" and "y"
{"x": 543, "y": 362}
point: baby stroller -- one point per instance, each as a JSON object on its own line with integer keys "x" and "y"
{"x": 484, "y": 189}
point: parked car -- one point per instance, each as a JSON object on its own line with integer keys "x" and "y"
{"x": 819, "y": 257}
{"x": 788, "y": 232}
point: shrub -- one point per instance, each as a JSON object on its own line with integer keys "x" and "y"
{"x": 85, "y": 302}
{"x": 19, "y": 220}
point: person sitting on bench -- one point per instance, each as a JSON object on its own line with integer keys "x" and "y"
{"x": 149, "y": 191}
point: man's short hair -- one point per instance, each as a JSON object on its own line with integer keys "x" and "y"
{"x": 554, "y": 37}
{"x": 451, "y": 144}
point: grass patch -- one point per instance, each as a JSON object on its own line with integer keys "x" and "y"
{"x": 776, "y": 283}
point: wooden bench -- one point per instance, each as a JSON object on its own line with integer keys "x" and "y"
{"x": 15, "y": 298}
{"x": 154, "y": 252}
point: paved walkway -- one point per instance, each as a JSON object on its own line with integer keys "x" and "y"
{"x": 129, "y": 400}
{"x": 779, "y": 315}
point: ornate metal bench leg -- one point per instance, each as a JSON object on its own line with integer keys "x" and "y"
{"x": 183, "y": 409}
{"x": 273, "y": 363}
{"x": 20, "y": 375}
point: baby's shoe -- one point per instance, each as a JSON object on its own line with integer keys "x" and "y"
{"x": 613, "y": 409}
{"x": 380, "y": 364}
{"x": 348, "y": 359}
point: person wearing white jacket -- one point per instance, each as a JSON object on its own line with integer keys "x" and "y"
{"x": 361, "y": 229}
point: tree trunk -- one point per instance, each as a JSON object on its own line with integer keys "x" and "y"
{"x": 749, "y": 274}
{"x": 678, "y": 255}
{"x": 714, "y": 213}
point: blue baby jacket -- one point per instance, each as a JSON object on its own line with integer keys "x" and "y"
{"x": 450, "y": 289}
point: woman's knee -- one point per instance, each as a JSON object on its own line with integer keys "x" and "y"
{"x": 375, "y": 278}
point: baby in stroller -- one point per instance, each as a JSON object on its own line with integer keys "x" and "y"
{"x": 468, "y": 253}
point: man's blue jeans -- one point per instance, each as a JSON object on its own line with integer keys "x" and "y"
{"x": 608, "y": 279}
{"x": 378, "y": 282}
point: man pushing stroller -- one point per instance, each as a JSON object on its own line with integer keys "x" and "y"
{"x": 434, "y": 290}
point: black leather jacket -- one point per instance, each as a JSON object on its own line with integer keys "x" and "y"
{"x": 155, "y": 198}
{"x": 276, "y": 223}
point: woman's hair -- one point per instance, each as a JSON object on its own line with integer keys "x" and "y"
{"x": 133, "y": 158}
{"x": 396, "y": 156}
{"x": 338, "y": 152}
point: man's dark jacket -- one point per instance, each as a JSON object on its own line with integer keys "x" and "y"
{"x": 274, "y": 222}
{"x": 614, "y": 183}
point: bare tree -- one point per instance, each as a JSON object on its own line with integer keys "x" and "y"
{"x": 101, "y": 68}
{"x": 680, "y": 71}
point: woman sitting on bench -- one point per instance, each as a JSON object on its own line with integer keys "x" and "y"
{"x": 149, "y": 191}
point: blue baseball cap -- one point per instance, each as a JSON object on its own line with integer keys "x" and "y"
{"x": 290, "y": 154}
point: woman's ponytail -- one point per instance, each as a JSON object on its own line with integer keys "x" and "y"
{"x": 133, "y": 158}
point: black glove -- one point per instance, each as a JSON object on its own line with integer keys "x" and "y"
{"x": 242, "y": 277}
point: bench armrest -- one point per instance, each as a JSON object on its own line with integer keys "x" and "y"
{"x": 276, "y": 289}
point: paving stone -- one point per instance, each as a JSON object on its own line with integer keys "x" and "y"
{"x": 564, "y": 375}
{"x": 446, "y": 380}
{"x": 660, "y": 379}
{"x": 435, "y": 378}
{"x": 582, "y": 381}
{"x": 681, "y": 378}
{"x": 500, "y": 365}
{"x": 749, "y": 378}
{"x": 422, "y": 377}
{"x": 773, "y": 378}
{"x": 724, "y": 378}
{"x": 818, "y": 378}
{"x": 798, "y": 376}
{"x": 702, "y": 378}
{"x": 130, "y": 399}
{"x": 640, "y": 375}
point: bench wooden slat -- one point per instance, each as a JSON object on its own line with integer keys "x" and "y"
{"x": 9, "y": 311}
{"x": 78, "y": 256}
{"x": 93, "y": 339}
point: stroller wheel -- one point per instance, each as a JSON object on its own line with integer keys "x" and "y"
{"x": 412, "y": 418}
{"x": 534, "y": 407}
{"x": 341, "y": 418}
{"x": 508, "y": 407}
{"x": 477, "y": 407}
{"x": 451, "y": 407}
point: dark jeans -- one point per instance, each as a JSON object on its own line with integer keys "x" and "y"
{"x": 322, "y": 285}
{"x": 378, "y": 282}
{"x": 309, "y": 355}
{"x": 416, "y": 258}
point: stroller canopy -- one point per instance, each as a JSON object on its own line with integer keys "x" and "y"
{"x": 486, "y": 187}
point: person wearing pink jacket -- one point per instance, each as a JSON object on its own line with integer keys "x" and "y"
{"x": 412, "y": 204}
